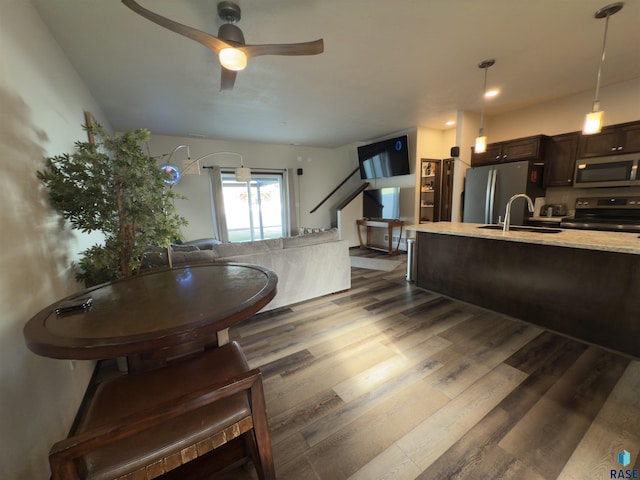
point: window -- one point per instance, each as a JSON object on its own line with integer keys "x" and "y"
{"x": 255, "y": 210}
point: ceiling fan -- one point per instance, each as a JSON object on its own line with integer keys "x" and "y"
{"x": 229, "y": 44}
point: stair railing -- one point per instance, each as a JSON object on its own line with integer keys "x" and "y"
{"x": 335, "y": 190}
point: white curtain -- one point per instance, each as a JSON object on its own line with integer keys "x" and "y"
{"x": 290, "y": 178}
{"x": 218, "y": 215}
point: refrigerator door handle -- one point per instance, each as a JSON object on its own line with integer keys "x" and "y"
{"x": 488, "y": 198}
{"x": 494, "y": 177}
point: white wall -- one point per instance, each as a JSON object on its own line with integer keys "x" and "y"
{"x": 347, "y": 222}
{"x": 42, "y": 101}
{"x": 466, "y": 132}
{"x": 620, "y": 102}
{"x": 322, "y": 170}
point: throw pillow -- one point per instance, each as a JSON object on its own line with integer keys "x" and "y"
{"x": 311, "y": 238}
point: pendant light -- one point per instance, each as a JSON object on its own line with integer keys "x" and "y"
{"x": 481, "y": 139}
{"x": 243, "y": 174}
{"x": 593, "y": 119}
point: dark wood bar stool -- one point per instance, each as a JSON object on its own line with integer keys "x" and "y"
{"x": 169, "y": 423}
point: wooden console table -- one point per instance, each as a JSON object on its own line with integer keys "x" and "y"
{"x": 388, "y": 224}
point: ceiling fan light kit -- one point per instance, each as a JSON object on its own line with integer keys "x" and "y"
{"x": 481, "y": 139}
{"x": 229, "y": 45}
{"x": 233, "y": 59}
{"x": 593, "y": 119}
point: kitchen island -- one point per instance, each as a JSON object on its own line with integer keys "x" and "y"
{"x": 580, "y": 283}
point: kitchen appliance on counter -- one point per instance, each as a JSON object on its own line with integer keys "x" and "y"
{"x": 553, "y": 210}
{"x": 549, "y": 214}
{"x": 615, "y": 214}
{"x": 487, "y": 190}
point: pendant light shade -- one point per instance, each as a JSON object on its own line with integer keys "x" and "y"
{"x": 593, "y": 119}
{"x": 593, "y": 122}
{"x": 481, "y": 143}
{"x": 190, "y": 167}
{"x": 481, "y": 139}
{"x": 243, "y": 174}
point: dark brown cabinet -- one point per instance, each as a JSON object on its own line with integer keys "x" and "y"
{"x": 429, "y": 182}
{"x": 528, "y": 148}
{"x": 613, "y": 140}
{"x": 436, "y": 190}
{"x": 560, "y": 160}
{"x": 489, "y": 157}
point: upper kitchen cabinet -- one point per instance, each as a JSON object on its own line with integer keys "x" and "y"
{"x": 613, "y": 140}
{"x": 528, "y": 148}
{"x": 490, "y": 156}
{"x": 560, "y": 160}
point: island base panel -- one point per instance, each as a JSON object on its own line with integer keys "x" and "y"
{"x": 587, "y": 294}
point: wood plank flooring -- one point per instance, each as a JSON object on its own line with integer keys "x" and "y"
{"x": 387, "y": 381}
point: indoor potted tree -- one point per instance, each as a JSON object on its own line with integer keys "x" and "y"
{"x": 111, "y": 185}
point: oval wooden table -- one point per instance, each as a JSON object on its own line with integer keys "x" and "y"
{"x": 153, "y": 316}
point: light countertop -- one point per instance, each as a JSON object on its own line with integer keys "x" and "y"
{"x": 621, "y": 242}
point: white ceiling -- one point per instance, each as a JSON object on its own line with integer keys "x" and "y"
{"x": 388, "y": 65}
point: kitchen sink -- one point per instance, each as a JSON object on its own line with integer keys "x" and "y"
{"x": 518, "y": 228}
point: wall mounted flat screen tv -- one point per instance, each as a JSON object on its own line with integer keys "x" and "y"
{"x": 381, "y": 203}
{"x": 387, "y": 158}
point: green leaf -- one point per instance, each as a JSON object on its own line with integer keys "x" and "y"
{"x": 113, "y": 187}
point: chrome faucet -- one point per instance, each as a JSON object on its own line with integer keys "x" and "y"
{"x": 507, "y": 213}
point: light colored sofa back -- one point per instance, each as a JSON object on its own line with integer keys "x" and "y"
{"x": 244, "y": 248}
{"x": 307, "y": 266}
{"x": 311, "y": 238}
{"x": 305, "y": 271}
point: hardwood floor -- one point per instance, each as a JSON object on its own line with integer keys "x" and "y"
{"x": 387, "y": 381}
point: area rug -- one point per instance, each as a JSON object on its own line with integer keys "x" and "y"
{"x": 374, "y": 263}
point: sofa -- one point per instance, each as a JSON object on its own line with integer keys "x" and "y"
{"x": 308, "y": 266}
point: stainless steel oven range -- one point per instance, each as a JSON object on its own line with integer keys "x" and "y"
{"x": 615, "y": 214}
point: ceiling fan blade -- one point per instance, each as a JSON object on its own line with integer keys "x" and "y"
{"x": 206, "y": 39}
{"x": 228, "y": 79}
{"x": 306, "y": 48}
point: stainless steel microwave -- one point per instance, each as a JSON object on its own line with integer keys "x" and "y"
{"x": 610, "y": 171}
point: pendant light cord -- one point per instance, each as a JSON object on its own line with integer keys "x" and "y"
{"x": 484, "y": 100}
{"x": 596, "y": 101}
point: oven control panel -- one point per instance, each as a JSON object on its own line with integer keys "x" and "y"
{"x": 608, "y": 202}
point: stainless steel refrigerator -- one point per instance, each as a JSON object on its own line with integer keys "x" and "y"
{"x": 487, "y": 190}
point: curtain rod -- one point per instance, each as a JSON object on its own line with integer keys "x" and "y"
{"x": 252, "y": 168}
